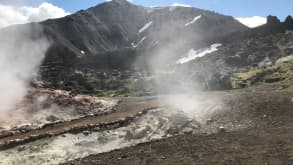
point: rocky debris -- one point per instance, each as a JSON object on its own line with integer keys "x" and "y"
{"x": 21, "y": 148}
{"x": 86, "y": 133}
{"x": 222, "y": 129}
{"x": 52, "y": 118}
{"x": 187, "y": 130}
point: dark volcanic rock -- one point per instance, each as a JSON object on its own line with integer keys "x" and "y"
{"x": 273, "y": 20}
{"x": 289, "y": 23}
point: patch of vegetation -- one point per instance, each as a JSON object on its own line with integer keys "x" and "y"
{"x": 284, "y": 75}
{"x": 280, "y": 74}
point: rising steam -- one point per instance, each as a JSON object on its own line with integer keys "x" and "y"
{"x": 22, "y": 49}
{"x": 174, "y": 45}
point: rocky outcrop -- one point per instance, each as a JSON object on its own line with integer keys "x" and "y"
{"x": 273, "y": 20}
{"x": 289, "y": 23}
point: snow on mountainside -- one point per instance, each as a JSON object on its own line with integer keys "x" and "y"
{"x": 145, "y": 27}
{"x": 176, "y": 5}
{"x": 193, "y": 21}
{"x": 193, "y": 54}
{"x": 180, "y": 5}
{"x": 139, "y": 42}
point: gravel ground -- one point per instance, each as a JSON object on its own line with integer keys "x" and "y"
{"x": 267, "y": 141}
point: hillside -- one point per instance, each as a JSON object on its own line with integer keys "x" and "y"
{"x": 115, "y": 40}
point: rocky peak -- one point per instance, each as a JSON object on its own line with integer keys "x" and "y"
{"x": 289, "y": 19}
{"x": 288, "y": 23}
{"x": 273, "y": 20}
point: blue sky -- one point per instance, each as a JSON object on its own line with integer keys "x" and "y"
{"x": 236, "y": 8}
{"x": 251, "y": 13}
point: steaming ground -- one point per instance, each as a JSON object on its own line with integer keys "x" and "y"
{"x": 22, "y": 49}
{"x": 43, "y": 106}
{"x": 254, "y": 127}
{"x": 204, "y": 114}
{"x": 156, "y": 124}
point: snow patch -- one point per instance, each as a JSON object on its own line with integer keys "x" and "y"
{"x": 145, "y": 27}
{"x": 180, "y": 5}
{"x": 193, "y": 21}
{"x": 193, "y": 54}
{"x": 82, "y": 52}
{"x": 140, "y": 42}
{"x": 175, "y": 5}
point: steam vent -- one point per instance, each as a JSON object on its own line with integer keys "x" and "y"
{"x": 125, "y": 83}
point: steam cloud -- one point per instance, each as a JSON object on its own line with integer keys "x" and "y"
{"x": 179, "y": 87}
{"x": 10, "y": 14}
{"x": 161, "y": 61}
{"x": 22, "y": 49}
{"x": 252, "y": 22}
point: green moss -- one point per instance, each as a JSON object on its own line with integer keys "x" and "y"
{"x": 275, "y": 77}
{"x": 281, "y": 74}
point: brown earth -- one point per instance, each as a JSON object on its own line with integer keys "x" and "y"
{"x": 267, "y": 142}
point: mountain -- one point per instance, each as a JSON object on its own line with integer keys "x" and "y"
{"x": 120, "y": 48}
{"x": 118, "y": 25}
{"x": 118, "y": 35}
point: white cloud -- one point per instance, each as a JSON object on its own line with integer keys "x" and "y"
{"x": 10, "y": 15}
{"x": 180, "y": 5}
{"x": 252, "y": 21}
{"x": 111, "y": 0}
